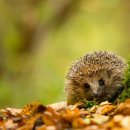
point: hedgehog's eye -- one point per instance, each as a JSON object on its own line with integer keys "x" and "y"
{"x": 101, "y": 82}
{"x": 86, "y": 86}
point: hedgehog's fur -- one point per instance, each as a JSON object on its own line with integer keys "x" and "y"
{"x": 96, "y": 76}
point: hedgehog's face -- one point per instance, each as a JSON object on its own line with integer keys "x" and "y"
{"x": 94, "y": 88}
{"x": 100, "y": 87}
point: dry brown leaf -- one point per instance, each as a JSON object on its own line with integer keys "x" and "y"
{"x": 105, "y": 109}
{"x": 58, "y": 106}
{"x": 99, "y": 119}
{"x": 33, "y": 108}
{"x": 123, "y": 108}
{"x": 78, "y": 123}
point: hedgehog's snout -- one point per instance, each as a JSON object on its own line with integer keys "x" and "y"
{"x": 95, "y": 94}
{"x": 95, "y": 89}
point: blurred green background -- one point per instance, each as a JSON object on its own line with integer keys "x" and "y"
{"x": 40, "y": 38}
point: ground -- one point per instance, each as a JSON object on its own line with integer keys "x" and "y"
{"x": 35, "y": 116}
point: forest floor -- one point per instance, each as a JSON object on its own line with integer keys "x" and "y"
{"x": 35, "y": 116}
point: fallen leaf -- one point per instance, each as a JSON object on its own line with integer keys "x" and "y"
{"x": 105, "y": 109}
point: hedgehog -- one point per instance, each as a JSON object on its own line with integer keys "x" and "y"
{"x": 97, "y": 76}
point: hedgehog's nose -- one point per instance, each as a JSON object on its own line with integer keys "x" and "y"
{"x": 95, "y": 94}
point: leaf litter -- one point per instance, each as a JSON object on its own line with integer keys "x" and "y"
{"x": 35, "y": 116}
